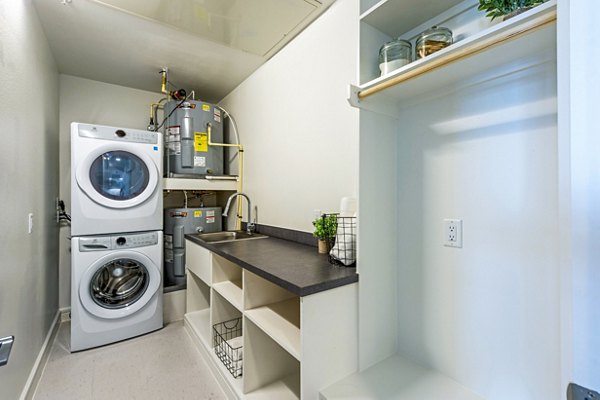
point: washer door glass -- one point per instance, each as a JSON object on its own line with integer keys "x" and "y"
{"x": 119, "y": 283}
{"x": 119, "y": 175}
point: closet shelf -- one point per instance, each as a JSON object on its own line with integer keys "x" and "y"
{"x": 394, "y": 17}
{"x": 509, "y": 42}
{"x": 280, "y": 321}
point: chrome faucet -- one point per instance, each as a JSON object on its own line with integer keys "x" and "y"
{"x": 249, "y": 224}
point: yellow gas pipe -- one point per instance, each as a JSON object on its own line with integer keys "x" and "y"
{"x": 238, "y": 223}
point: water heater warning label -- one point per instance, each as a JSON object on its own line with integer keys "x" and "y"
{"x": 197, "y": 214}
{"x": 201, "y": 141}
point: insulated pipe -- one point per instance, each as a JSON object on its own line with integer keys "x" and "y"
{"x": 187, "y": 139}
{"x": 163, "y": 87}
{"x": 238, "y": 223}
{"x": 153, "y": 109}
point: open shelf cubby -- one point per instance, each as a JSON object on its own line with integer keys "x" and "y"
{"x": 227, "y": 280}
{"x": 274, "y": 310}
{"x": 274, "y": 377}
{"x": 198, "y": 307}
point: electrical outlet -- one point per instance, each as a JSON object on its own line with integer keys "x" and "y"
{"x": 453, "y": 232}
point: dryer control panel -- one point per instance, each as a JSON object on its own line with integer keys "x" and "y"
{"x": 114, "y": 242}
{"x": 118, "y": 134}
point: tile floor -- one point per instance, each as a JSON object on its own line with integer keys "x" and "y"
{"x": 161, "y": 365}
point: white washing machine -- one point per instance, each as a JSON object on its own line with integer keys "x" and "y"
{"x": 116, "y": 180}
{"x": 116, "y": 287}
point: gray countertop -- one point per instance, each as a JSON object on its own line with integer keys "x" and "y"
{"x": 291, "y": 265}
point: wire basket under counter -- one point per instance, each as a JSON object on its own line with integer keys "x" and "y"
{"x": 343, "y": 252}
{"x": 227, "y": 340}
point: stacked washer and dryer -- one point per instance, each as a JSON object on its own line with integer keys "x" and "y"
{"x": 116, "y": 229}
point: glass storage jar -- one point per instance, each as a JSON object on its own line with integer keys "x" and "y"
{"x": 394, "y": 54}
{"x": 432, "y": 40}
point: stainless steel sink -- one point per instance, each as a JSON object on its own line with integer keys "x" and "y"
{"x": 228, "y": 236}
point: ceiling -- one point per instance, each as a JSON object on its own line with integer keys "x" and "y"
{"x": 209, "y": 46}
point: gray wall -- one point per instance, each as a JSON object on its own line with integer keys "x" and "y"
{"x": 29, "y": 182}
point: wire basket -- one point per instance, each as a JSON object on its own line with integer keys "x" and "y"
{"x": 227, "y": 337}
{"x": 343, "y": 251}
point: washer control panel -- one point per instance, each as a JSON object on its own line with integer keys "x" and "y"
{"x": 115, "y": 242}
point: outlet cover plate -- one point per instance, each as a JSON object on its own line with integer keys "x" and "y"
{"x": 453, "y": 233}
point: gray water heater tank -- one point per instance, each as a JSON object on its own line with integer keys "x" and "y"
{"x": 187, "y": 153}
{"x": 179, "y": 222}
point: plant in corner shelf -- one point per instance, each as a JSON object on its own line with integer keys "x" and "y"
{"x": 506, "y": 8}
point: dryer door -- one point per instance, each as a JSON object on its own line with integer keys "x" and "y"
{"x": 119, "y": 284}
{"x": 117, "y": 177}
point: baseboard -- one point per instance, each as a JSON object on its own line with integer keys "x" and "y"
{"x": 65, "y": 314}
{"x": 206, "y": 354}
{"x": 42, "y": 358}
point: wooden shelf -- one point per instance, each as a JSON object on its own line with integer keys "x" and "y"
{"x": 199, "y": 184}
{"x": 394, "y": 17}
{"x": 231, "y": 291}
{"x": 281, "y": 321}
{"x": 284, "y": 389}
{"x": 397, "y": 378}
{"x": 199, "y": 321}
{"x": 508, "y": 44}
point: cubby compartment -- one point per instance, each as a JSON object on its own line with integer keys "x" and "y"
{"x": 227, "y": 280}
{"x": 198, "y": 307}
{"x": 272, "y": 372}
{"x": 274, "y": 310}
{"x": 222, "y": 311}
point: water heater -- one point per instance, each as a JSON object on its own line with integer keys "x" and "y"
{"x": 187, "y": 152}
{"x": 177, "y": 223}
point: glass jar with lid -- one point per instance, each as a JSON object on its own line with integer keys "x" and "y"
{"x": 394, "y": 54}
{"x": 432, "y": 40}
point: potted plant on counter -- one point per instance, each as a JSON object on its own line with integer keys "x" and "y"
{"x": 325, "y": 230}
{"x": 507, "y": 8}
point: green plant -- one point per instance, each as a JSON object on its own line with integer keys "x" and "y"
{"x": 498, "y": 8}
{"x": 325, "y": 226}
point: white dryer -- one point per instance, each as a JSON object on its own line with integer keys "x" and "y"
{"x": 116, "y": 180}
{"x": 116, "y": 287}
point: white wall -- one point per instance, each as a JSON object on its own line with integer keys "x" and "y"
{"x": 581, "y": 144}
{"x": 83, "y": 100}
{"x": 487, "y": 314}
{"x": 299, "y": 132}
{"x": 29, "y": 181}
